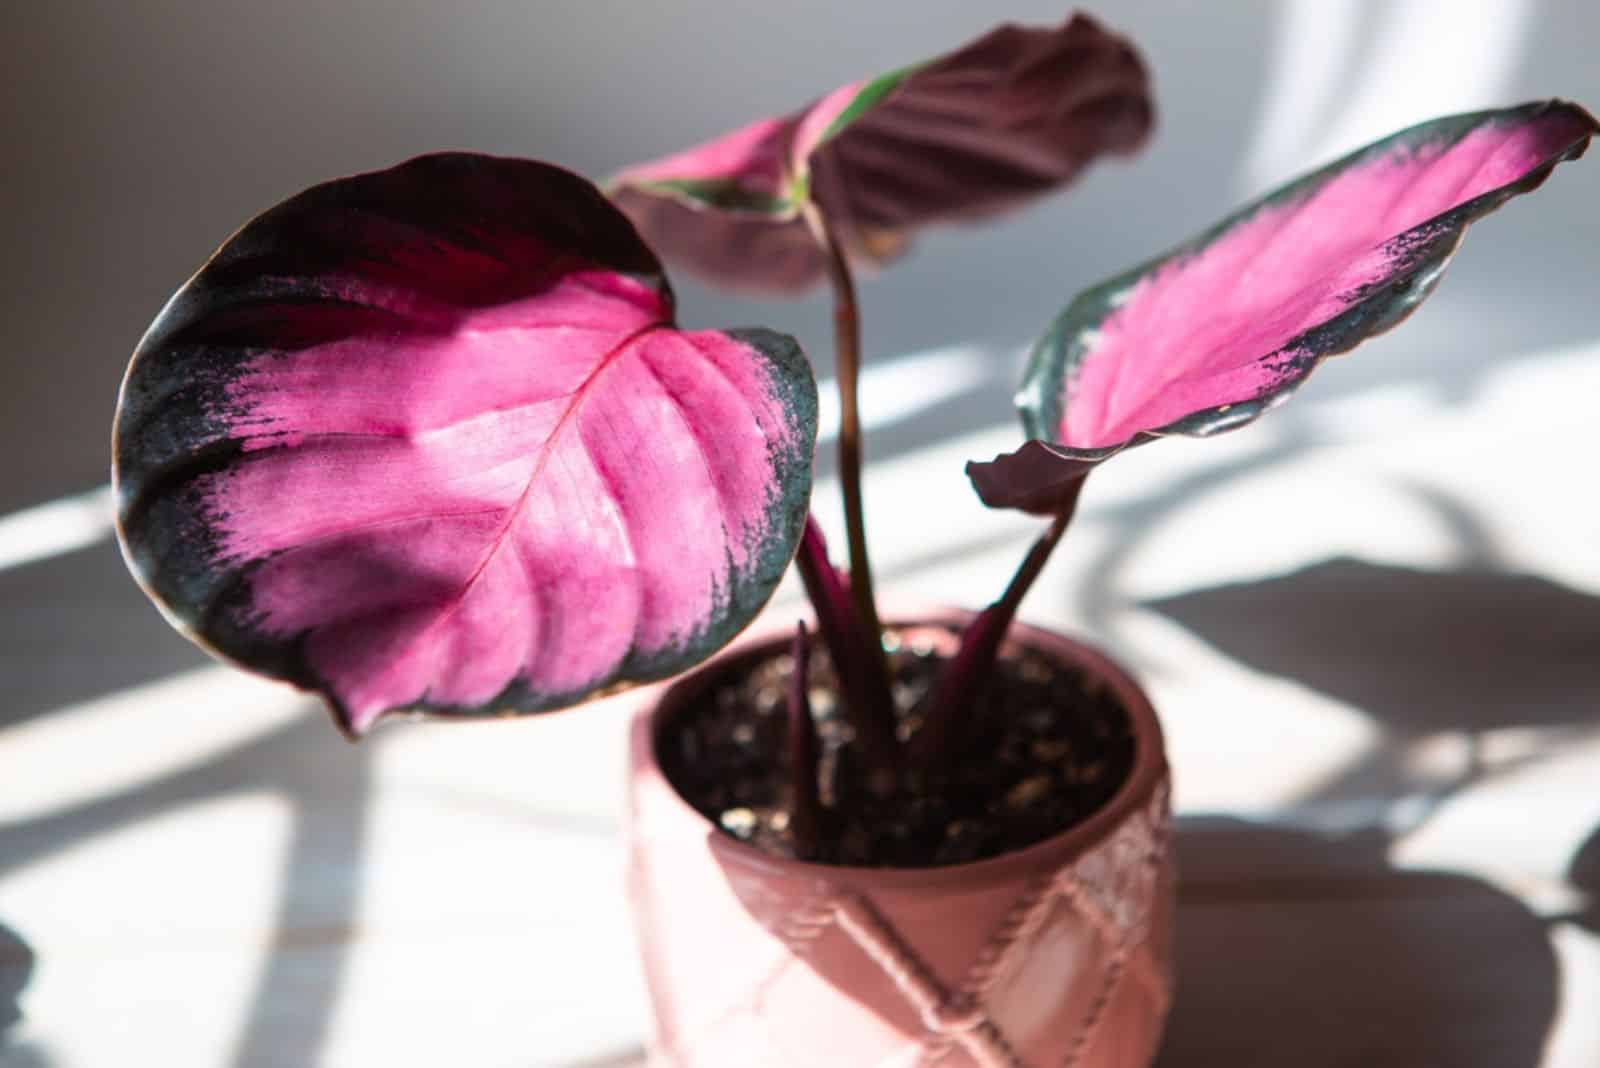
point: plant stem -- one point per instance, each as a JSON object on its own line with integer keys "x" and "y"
{"x": 863, "y": 679}
{"x": 805, "y": 816}
{"x": 1034, "y": 562}
{"x": 847, "y": 359}
{"x": 949, "y": 715}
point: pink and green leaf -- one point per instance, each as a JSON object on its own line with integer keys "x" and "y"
{"x": 1207, "y": 337}
{"x": 428, "y": 439}
{"x": 1011, "y": 115}
{"x": 837, "y": 112}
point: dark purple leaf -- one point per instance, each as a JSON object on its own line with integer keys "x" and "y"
{"x": 1013, "y": 114}
{"x": 1037, "y": 478}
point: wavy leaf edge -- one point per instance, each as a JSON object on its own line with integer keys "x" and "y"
{"x": 158, "y": 562}
{"x": 1012, "y": 114}
{"x": 1430, "y": 246}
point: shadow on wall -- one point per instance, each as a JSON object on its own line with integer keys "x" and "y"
{"x": 1584, "y": 876}
{"x": 1355, "y": 963}
{"x": 16, "y": 969}
{"x": 1419, "y": 651}
{"x": 301, "y": 975}
{"x": 82, "y": 630}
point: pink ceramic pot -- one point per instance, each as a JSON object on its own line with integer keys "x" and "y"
{"x": 1058, "y": 954}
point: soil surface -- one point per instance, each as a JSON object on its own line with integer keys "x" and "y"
{"x": 1047, "y": 747}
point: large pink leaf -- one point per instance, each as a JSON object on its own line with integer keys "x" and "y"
{"x": 1207, "y": 337}
{"x": 1014, "y": 113}
{"x": 427, "y": 438}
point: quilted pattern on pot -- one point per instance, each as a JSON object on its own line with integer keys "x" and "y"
{"x": 1073, "y": 973}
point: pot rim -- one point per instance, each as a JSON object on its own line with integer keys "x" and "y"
{"x": 1148, "y": 772}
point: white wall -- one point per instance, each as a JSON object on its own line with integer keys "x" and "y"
{"x": 137, "y": 135}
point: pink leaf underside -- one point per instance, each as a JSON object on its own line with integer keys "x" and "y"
{"x": 753, "y": 157}
{"x": 741, "y": 249}
{"x": 548, "y": 493}
{"x": 1216, "y": 327}
{"x": 1011, "y": 115}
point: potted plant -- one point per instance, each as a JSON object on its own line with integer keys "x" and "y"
{"x": 430, "y": 440}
